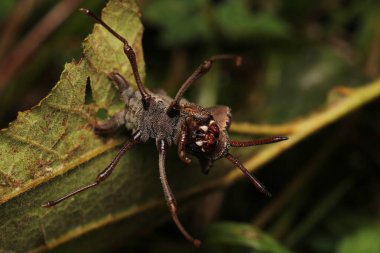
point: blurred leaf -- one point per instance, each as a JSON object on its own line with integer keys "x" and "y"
{"x": 199, "y": 21}
{"x": 5, "y": 6}
{"x": 229, "y": 236}
{"x": 298, "y": 83}
{"x": 365, "y": 240}
{"x": 369, "y": 17}
{"x": 236, "y": 20}
{"x": 188, "y": 24}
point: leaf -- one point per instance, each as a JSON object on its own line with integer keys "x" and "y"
{"x": 56, "y": 136}
{"x": 365, "y": 240}
{"x": 5, "y": 6}
{"x": 187, "y": 25}
{"x": 199, "y": 20}
{"x": 237, "y": 21}
{"x": 228, "y": 236}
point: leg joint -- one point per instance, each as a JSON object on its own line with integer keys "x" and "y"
{"x": 206, "y": 65}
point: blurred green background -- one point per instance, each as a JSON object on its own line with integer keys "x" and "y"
{"x": 326, "y": 190}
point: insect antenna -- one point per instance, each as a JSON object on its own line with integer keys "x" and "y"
{"x": 100, "y": 21}
{"x": 240, "y": 144}
{"x": 128, "y": 50}
{"x": 254, "y": 180}
{"x": 206, "y": 65}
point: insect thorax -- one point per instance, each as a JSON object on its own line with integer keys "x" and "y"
{"x": 154, "y": 122}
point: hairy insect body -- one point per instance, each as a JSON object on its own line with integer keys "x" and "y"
{"x": 152, "y": 123}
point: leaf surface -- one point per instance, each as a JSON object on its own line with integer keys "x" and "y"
{"x": 56, "y": 138}
{"x": 229, "y": 236}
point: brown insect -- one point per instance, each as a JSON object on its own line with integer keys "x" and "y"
{"x": 202, "y": 132}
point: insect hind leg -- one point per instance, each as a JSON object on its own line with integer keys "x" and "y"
{"x": 110, "y": 125}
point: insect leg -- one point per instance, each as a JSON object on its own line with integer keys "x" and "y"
{"x": 118, "y": 119}
{"x": 102, "y": 175}
{"x": 257, "y": 142}
{"x": 110, "y": 125}
{"x": 120, "y": 81}
{"x": 254, "y": 180}
{"x": 198, "y": 73}
{"x": 128, "y": 50}
{"x": 169, "y": 197}
{"x": 182, "y": 145}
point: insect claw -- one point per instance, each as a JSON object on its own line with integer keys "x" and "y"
{"x": 280, "y": 138}
{"x": 48, "y": 204}
{"x": 197, "y": 243}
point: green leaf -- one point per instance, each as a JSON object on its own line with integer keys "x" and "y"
{"x": 5, "y": 6}
{"x": 365, "y": 240}
{"x": 229, "y": 236}
{"x": 237, "y": 21}
{"x": 56, "y": 136}
{"x": 189, "y": 23}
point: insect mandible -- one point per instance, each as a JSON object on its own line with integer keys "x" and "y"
{"x": 201, "y": 132}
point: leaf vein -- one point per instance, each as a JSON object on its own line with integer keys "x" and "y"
{"x": 35, "y": 144}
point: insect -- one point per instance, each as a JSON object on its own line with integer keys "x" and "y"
{"x": 201, "y": 132}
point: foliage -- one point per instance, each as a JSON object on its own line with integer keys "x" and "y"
{"x": 364, "y": 240}
{"x": 200, "y": 21}
{"x": 226, "y": 237}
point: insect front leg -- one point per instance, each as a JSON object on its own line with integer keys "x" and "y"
{"x": 128, "y": 50}
{"x": 206, "y": 65}
{"x": 182, "y": 145}
{"x": 169, "y": 197}
{"x": 102, "y": 175}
